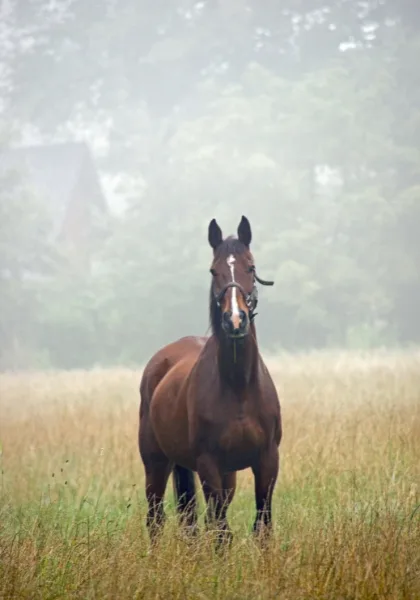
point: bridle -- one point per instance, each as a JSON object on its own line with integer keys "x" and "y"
{"x": 251, "y": 299}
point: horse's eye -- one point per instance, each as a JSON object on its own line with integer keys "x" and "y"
{"x": 213, "y": 272}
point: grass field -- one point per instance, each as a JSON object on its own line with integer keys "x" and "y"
{"x": 346, "y": 507}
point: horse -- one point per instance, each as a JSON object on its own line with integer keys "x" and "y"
{"x": 208, "y": 405}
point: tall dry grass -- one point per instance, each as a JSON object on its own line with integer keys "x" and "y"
{"x": 346, "y": 507}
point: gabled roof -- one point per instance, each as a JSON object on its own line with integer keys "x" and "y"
{"x": 52, "y": 172}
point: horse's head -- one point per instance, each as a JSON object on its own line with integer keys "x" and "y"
{"x": 234, "y": 294}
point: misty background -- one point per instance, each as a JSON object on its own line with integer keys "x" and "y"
{"x": 126, "y": 126}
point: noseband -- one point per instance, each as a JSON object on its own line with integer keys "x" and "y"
{"x": 251, "y": 299}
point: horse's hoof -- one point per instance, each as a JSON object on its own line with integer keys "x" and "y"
{"x": 262, "y": 533}
{"x": 224, "y": 540}
{"x": 189, "y": 532}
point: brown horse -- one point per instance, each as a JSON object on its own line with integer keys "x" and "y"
{"x": 209, "y": 404}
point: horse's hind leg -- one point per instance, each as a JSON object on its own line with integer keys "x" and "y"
{"x": 185, "y": 495}
{"x": 157, "y": 468}
{"x": 229, "y": 485}
{"x": 157, "y": 473}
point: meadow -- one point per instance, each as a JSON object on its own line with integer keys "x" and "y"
{"x": 346, "y": 507}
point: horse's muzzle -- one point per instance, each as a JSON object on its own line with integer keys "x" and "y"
{"x": 235, "y": 326}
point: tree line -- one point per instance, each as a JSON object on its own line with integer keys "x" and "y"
{"x": 307, "y": 122}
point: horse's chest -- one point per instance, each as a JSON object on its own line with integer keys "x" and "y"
{"x": 242, "y": 436}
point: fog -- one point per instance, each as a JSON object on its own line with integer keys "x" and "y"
{"x": 126, "y": 126}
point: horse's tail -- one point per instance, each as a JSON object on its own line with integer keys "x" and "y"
{"x": 184, "y": 485}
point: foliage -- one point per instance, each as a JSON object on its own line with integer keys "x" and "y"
{"x": 26, "y": 258}
{"x": 218, "y": 110}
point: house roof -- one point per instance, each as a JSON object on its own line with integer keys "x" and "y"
{"x": 52, "y": 171}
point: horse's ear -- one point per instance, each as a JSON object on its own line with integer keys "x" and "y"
{"x": 244, "y": 232}
{"x": 215, "y": 234}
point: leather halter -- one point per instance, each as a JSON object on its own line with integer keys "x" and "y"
{"x": 251, "y": 299}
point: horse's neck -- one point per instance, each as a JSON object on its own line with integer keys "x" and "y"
{"x": 238, "y": 361}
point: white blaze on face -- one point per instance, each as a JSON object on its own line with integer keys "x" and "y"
{"x": 235, "y": 308}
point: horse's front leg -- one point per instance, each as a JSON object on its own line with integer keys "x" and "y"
{"x": 265, "y": 474}
{"x": 217, "y": 500}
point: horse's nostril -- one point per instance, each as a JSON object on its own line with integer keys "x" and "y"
{"x": 227, "y": 316}
{"x": 242, "y": 315}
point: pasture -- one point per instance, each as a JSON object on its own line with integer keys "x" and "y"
{"x": 346, "y": 505}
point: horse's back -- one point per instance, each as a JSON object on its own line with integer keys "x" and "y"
{"x": 164, "y": 361}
